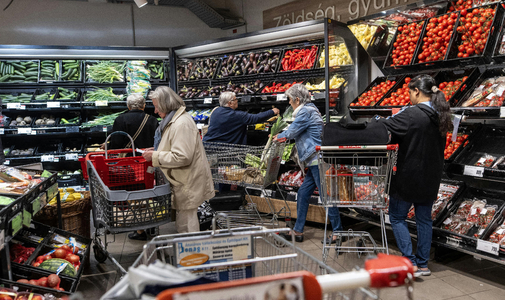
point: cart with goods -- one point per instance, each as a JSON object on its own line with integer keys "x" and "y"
{"x": 253, "y": 167}
{"x": 357, "y": 177}
{"x": 254, "y": 263}
{"x": 127, "y": 194}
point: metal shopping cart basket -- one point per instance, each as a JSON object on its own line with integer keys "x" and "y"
{"x": 127, "y": 194}
{"x": 252, "y": 167}
{"x": 255, "y": 263}
{"x": 356, "y": 176}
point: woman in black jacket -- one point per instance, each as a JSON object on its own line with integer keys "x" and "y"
{"x": 420, "y": 132}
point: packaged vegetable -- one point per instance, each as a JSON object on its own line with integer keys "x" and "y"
{"x": 486, "y": 160}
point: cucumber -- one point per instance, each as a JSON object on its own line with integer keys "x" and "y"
{"x": 69, "y": 61}
{"x": 18, "y": 73}
{"x": 4, "y": 78}
{"x": 72, "y": 72}
{"x": 70, "y": 66}
{"x": 31, "y": 79}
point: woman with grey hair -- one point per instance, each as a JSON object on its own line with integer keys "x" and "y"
{"x": 130, "y": 122}
{"x": 178, "y": 151}
{"x": 306, "y": 130}
{"x": 227, "y": 125}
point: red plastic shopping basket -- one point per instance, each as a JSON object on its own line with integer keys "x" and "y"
{"x": 120, "y": 173}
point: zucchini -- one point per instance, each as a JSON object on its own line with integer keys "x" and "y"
{"x": 17, "y": 77}
{"x": 18, "y": 66}
{"x": 30, "y": 74}
{"x": 70, "y": 66}
{"x": 18, "y": 73}
{"x": 72, "y": 72}
{"x": 69, "y": 61}
{"x": 4, "y": 78}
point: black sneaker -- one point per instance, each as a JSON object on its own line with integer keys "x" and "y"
{"x": 287, "y": 236}
{"x": 138, "y": 236}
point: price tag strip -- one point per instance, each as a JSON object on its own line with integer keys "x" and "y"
{"x": 488, "y": 247}
{"x": 45, "y": 158}
{"x": 53, "y": 104}
{"x": 207, "y": 101}
{"x": 474, "y": 171}
{"x": 101, "y": 103}
{"x": 25, "y": 130}
{"x": 71, "y": 156}
{"x": 281, "y": 97}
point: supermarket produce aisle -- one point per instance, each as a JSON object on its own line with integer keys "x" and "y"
{"x": 458, "y": 277}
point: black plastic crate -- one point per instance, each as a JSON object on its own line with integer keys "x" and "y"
{"x": 475, "y": 84}
{"x": 485, "y": 56}
{"x": 154, "y": 67}
{"x": 94, "y": 62}
{"x": 13, "y": 151}
{"x": 13, "y": 116}
{"x": 199, "y": 71}
{"x": 67, "y": 75}
{"x": 338, "y": 41}
{"x": 274, "y": 55}
{"x": 70, "y": 180}
{"x": 49, "y": 147}
{"x": 491, "y": 140}
{"x": 394, "y": 90}
{"x": 71, "y": 146}
{"x": 44, "y": 95}
{"x": 452, "y": 76}
{"x": 116, "y": 91}
{"x": 282, "y": 82}
{"x": 5, "y": 95}
{"x": 388, "y": 63}
{"x": 416, "y": 62}
{"x": 184, "y": 69}
{"x": 19, "y": 71}
{"x": 377, "y": 81}
{"x": 492, "y": 198}
{"x": 307, "y": 45}
{"x": 498, "y": 55}
{"x": 472, "y": 131}
{"x": 47, "y": 67}
{"x": 73, "y": 94}
{"x": 25, "y": 272}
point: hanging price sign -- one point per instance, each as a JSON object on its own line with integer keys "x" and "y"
{"x": 71, "y": 156}
{"x": 281, "y": 97}
{"x": 24, "y": 130}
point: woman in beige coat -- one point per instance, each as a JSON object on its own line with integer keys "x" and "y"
{"x": 179, "y": 152}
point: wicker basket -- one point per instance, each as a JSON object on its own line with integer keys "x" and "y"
{"x": 75, "y": 215}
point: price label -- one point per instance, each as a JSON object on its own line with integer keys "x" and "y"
{"x": 488, "y": 247}
{"x": 104, "y": 129}
{"x": 36, "y": 205}
{"x": 281, "y": 97}
{"x": 13, "y": 105}
{"x": 452, "y": 242}
{"x": 27, "y": 218}
{"x": 16, "y": 223}
{"x": 44, "y": 158}
{"x": 207, "y": 101}
{"x": 264, "y": 98}
{"x": 7, "y": 162}
{"x": 474, "y": 171}
{"x": 199, "y": 126}
{"x": 283, "y": 162}
{"x": 2, "y": 239}
{"x": 386, "y": 219}
{"x": 22, "y": 107}
{"x": 1, "y": 131}
{"x": 56, "y": 159}
{"x": 34, "y": 132}
{"x": 319, "y": 96}
{"x": 246, "y": 98}
{"x": 101, "y": 103}
{"x": 24, "y": 130}
{"x": 71, "y": 156}
{"x": 72, "y": 129}
{"x": 502, "y": 112}
{"x": 53, "y": 104}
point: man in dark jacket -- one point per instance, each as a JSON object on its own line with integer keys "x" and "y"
{"x": 227, "y": 125}
{"x": 130, "y": 122}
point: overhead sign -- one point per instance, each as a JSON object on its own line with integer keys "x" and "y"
{"x": 340, "y": 10}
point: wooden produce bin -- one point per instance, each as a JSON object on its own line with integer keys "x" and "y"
{"x": 316, "y": 213}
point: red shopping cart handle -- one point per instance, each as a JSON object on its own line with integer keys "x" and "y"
{"x": 384, "y": 271}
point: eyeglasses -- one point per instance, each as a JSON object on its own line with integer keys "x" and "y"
{"x": 234, "y": 100}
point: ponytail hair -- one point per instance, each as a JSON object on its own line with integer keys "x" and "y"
{"x": 426, "y": 84}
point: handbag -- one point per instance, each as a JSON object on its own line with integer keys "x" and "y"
{"x": 351, "y": 134}
{"x": 205, "y": 128}
{"x": 144, "y": 121}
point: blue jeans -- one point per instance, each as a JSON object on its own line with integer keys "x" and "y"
{"x": 398, "y": 211}
{"x": 309, "y": 184}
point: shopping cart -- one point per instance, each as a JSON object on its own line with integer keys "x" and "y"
{"x": 356, "y": 176}
{"x": 260, "y": 263}
{"x": 252, "y": 167}
{"x": 127, "y": 194}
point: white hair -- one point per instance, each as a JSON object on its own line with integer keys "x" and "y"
{"x": 135, "y": 101}
{"x": 226, "y": 97}
{"x": 299, "y": 91}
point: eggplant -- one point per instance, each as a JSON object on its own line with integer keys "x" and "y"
{"x": 230, "y": 59}
{"x": 249, "y": 70}
{"x": 244, "y": 61}
{"x": 252, "y": 57}
{"x": 261, "y": 69}
{"x": 266, "y": 68}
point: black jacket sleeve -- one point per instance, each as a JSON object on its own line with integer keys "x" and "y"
{"x": 398, "y": 125}
{"x": 256, "y": 118}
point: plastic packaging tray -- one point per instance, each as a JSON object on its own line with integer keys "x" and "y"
{"x": 377, "y": 81}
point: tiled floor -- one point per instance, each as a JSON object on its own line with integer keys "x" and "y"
{"x": 458, "y": 277}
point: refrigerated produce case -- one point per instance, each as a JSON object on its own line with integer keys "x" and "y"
{"x": 473, "y": 86}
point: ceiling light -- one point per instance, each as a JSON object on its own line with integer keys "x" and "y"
{"x": 141, "y": 3}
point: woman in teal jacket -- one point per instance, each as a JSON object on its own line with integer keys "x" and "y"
{"x": 306, "y": 130}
